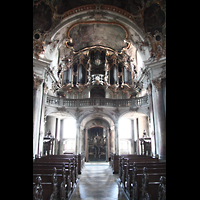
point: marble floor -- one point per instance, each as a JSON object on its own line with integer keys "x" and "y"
{"x": 98, "y": 183}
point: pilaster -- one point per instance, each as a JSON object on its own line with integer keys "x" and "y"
{"x": 39, "y": 67}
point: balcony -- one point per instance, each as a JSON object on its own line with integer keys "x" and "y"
{"x": 70, "y": 103}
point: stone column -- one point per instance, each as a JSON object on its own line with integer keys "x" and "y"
{"x": 37, "y": 103}
{"x": 81, "y": 136}
{"x": 86, "y": 145}
{"x": 56, "y": 138}
{"x": 39, "y": 70}
{"x": 151, "y": 122}
{"x": 137, "y": 143}
{"x": 61, "y": 136}
{"x": 77, "y": 148}
{"x": 160, "y": 122}
{"x": 112, "y": 139}
{"x": 132, "y": 137}
{"x": 108, "y": 143}
{"x": 83, "y": 140}
{"x": 116, "y": 139}
{"x": 42, "y": 120}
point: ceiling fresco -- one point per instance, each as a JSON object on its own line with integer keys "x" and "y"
{"x": 88, "y": 35}
{"x": 148, "y": 15}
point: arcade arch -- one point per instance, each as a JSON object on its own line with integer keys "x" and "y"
{"x": 97, "y": 138}
{"x": 132, "y": 127}
{"x": 62, "y": 126}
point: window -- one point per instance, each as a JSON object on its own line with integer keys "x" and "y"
{"x": 69, "y": 128}
{"x": 125, "y": 128}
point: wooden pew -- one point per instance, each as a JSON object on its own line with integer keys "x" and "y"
{"x": 145, "y": 185}
{"x": 131, "y": 181}
{"x": 46, "y": 190}
{"x": 67, "y": 167}
{"x": 125, "y": 162}
{"x": 71, "y": 162}
{"x": 38, "y": 189}
{"x": 151, "y": 183}
{"x": 114, "y": 163}
{"x": 63, "y": 180}
{"x": 46, "y": 168}
{"x": 162, "y": 188}
{"x": 81, "y": 161}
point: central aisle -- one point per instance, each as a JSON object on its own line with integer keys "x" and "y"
{"x": 98, "y": 183}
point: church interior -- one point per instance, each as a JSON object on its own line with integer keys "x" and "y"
{"x": 99, "y": 99}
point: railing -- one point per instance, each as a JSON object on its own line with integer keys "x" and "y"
{"x": 59, "y": 102}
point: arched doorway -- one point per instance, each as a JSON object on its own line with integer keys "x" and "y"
{"x": 97, "y": 144}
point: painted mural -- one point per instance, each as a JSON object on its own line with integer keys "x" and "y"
{"x": 108, "y": 35}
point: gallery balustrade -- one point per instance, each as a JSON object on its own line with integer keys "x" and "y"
{"x": 60, "y": 102}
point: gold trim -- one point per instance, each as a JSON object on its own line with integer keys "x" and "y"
{"x": 101, "y": 7}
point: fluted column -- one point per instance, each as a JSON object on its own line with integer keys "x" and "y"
{"x": 160, "y": 121}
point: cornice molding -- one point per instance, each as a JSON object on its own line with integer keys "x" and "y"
{"x": 155, "y": 64}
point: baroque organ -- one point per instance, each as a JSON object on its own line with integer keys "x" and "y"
{"x": 98, "y": 65}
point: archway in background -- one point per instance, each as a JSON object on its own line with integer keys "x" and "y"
{"x": 97, "y": 144}
{"x": 97, "y": 139}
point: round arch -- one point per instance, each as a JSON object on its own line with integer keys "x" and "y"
{"x": 137, "y": 127}
{"x": 91, "y": 121}
{"x": 110, "y": 11}
{"x": 98, "y": 122}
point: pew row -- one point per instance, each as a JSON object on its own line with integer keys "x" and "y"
{"x": 64, "y": 168}
{"x": 140, "y": 177}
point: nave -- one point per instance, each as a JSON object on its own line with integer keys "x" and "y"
{"x": 97, "y": 182}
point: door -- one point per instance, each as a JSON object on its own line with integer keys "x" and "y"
{"x": 97, "y": 144}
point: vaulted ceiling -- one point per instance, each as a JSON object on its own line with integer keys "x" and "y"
{"x": 148, "y": 15}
